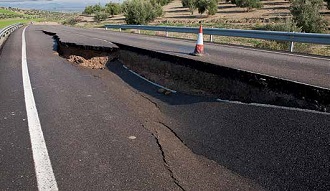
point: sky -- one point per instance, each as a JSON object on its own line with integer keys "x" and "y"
{"x": 53, "y": 5}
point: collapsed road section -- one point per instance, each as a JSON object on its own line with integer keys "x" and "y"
{"x": 280, "y": 149}
{"x": 195, "y": 77}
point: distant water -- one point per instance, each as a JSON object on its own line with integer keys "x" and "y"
{"x": 50, "y": 6}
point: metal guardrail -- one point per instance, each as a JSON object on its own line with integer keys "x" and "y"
{"x": 314, "y": 38}
{"x": 5, "y": 32}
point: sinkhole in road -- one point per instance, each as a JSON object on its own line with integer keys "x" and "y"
{"x": 198, "y": 78}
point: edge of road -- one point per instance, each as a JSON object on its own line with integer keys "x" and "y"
{"x": 298, "y": 89}
{"x": 312, "y": 94}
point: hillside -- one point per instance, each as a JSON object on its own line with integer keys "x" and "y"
{"x": 13, "y": 15}
{"x": 228, "y": 15}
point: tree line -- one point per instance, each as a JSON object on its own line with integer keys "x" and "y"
{"x": 306, "y": 15}
{"x": 135, "y": 11}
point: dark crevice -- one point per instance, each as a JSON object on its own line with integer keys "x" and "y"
{"x": 174, "y": 133}
{"x": 206, "y": 79}
{"x": 150, "y": 100}
{"x": 176, "y": 182}
{"x": 200, "y": 78}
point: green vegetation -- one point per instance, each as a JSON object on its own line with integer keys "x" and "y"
{"x": 307, "y": 16}
{"x": 100, "y": 16}
{"x": 141, "y": 11}
{"x": 328, "y": 3}
{"x": 135, "y": 11}
{"x": 7, "y": 22}
{"x": 71, "y": 21}
{"x": 93, "y": 9}
{"x": 113, "y": 8}
{"x": 288, "y": 26}
{"x": 10, "y": 16}
{"x": 248, "y": 4}
{"x": 211, "y": 6}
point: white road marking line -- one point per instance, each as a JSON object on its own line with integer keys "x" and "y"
{"x": 273, "y": 106}
{"x": 145, "y": 79}
{"x": 43, "y": 168}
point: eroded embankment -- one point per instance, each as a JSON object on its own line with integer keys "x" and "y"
{"x": 94, "y": 57}
{"x": 200, "y": 78}
{"x": 195, "y": 77}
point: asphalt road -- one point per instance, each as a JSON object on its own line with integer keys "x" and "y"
{"x": 304, "y": 69}
{"x": 109, "y": 130}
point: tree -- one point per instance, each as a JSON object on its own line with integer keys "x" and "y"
{"x": 191, "y": 5}
{"x": 97, "y": 8}
{"x": 184, "y": 3}
{"x": 88, "y": 10}
{"x": 201, "y": 6}
{"x": 100, "y": 16}
{"x": 93, "y": 9}
{"x": 328, "y": 3}
{"x": 113, "y": 8}
{"x": 141, "y": 11}
{"x": 249, "y": 4}
{"x": 212, "y": 7}
{"x": 306, "y": 14}
{"x": 71, "y": 21}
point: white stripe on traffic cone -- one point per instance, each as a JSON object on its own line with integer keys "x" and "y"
{"x": 199, "y": 49}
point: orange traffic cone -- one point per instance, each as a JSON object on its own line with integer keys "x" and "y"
{"x": 199, "y": 49}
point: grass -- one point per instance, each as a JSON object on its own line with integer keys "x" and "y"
{"x": 8, "y": 12}
{"x": 7, "y": 22}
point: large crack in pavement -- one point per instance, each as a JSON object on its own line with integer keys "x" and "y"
{"x": 218, "y": 82}
{"x": 187, "y": 170}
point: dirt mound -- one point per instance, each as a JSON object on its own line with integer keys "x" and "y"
{"x": 93, "y": 63}
{"x": 94, "y": 59}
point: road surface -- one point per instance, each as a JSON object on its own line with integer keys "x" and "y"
{"x": 304, "y": 69}
{"x": 110, "y": 130}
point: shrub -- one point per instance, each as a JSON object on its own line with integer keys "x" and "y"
{"x": 93, "y": 9}
{"x": 328, "y": 3}
{"x": 288, "y": 26}
{"x": 100, "y": 16}
{"x": 202, "y": 6}
{"x": 306, "y": 14}
{"x": 113, "y": 8}
{"x": 71, "y": 21}
{"x": 141, "y": 11}
{"x": 212, "y": 7}
{"x": 88, "y": 10}
{"x": 249, "y": 4}
{"x": 184, "y": 3}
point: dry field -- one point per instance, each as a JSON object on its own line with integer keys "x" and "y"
{"x": 273, "y": 11}
{"x": 228, "y": 16}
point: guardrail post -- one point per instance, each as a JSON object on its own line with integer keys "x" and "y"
{"x": 291, "y": 47}
{"x": 291, "y": 43}
{"x": 211, "y": 37}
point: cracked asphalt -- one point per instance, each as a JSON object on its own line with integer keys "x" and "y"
{"x": 109, "y": 130}
{"x": 88, "y": 118}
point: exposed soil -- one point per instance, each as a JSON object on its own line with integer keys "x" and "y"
{"x": 87, "y": 58}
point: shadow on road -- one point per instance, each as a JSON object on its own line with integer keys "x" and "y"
{"x": 277, "y": 148}
{"x": 139, "y": 84}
